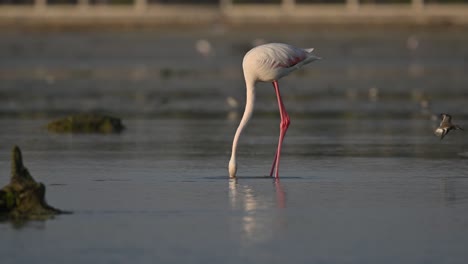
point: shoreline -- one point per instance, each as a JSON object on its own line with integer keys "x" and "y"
{"x": 175, "y": 16}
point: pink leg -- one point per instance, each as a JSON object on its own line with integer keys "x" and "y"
{"x": 274, "y": 163}
{"x": 284, "y": 124}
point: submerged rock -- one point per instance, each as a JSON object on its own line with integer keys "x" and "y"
{"x": 24, "y": 198}
{"x": 86, "y": 123}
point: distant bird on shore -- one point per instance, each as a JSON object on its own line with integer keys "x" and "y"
{"x": 445, "y": 126}
{"x": 204, "y": 47}
{"x": 412, "y": 43}
{"x": 268, "y": 63}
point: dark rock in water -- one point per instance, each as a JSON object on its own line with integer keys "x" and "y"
{"x": 86, "y": 123}
{"x": 24, "y": 198}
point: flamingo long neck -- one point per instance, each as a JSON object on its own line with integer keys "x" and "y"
{"x": 249, "y": 106}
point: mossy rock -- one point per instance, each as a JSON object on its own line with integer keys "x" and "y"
{"x": 24, "y": 198}
{"x": 86, "y": 123}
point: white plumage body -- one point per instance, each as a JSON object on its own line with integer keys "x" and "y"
{"x": 440, "y": 131}
{"x": 272, "y": 61}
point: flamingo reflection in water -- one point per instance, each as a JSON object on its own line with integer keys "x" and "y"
{"x": 257, "y": 224}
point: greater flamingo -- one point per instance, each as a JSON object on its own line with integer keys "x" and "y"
{"x": 268, "y": 63}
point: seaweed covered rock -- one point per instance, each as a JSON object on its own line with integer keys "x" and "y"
{"x": 24, "y": 198}
{"x": 86, "y": 123}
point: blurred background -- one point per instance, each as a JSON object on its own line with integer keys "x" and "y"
{"x": 363, "y": 177}
{"x": 147, "y": 58}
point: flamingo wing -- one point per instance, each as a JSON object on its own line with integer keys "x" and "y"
{"x": 275, "y": 60}
{"x": 279, "y": 55}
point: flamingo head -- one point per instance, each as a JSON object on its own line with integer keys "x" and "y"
{"x": 232, "y": 169}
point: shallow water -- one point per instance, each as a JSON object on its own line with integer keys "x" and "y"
{"x": 159, "y": 192}
{"x": 363, "y": 178}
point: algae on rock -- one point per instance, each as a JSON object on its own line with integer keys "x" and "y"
{"x": 24, "y": 198}
{"x": 86, "y": 123}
